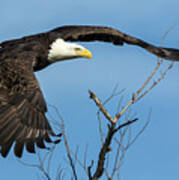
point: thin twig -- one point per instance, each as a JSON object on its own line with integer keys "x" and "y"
{"x": 125, "y": 124}
{"x": 155, "y": 82}
{"x": 39, "y": 166}
{"x": 133, "y": 99}
{"x": 101, "y": 107}
{"x": 120, "y": 146}
{"x": 62, "y": 125}
{"x": 167, "y": 32}
{"x": 85, "y": 156}
{"x": 68, "y": 150}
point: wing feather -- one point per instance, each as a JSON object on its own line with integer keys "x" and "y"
{"x": 22, "y": 109}
{"x": 5, "y": 149}
{"x": 40, "y": 143}
{"x": 18, "y": 149}
{"x": 30, "y": 146}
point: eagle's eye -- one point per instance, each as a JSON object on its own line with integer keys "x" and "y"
{"x": 77, "y": 49}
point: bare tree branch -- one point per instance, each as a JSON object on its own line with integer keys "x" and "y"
{"x": 106, "y": 148}
{"x": 68, "y": 149}
{"x": 101, "y": 107}
{"x": 40, "y": 166}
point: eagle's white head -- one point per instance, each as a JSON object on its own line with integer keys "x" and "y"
{"x": 61, "y": 50}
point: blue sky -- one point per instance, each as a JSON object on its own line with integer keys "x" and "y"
{"x": 66, "y": 84}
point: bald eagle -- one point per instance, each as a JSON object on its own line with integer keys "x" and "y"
{"x": 22, "y": 105}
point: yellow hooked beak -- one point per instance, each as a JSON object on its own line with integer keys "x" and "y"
{"x": 84, "y": 53}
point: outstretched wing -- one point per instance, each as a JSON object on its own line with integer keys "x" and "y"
{"x": 83, "y": 33}
{"x": 107, "y": 34}
{"x": 22, "y": 108}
